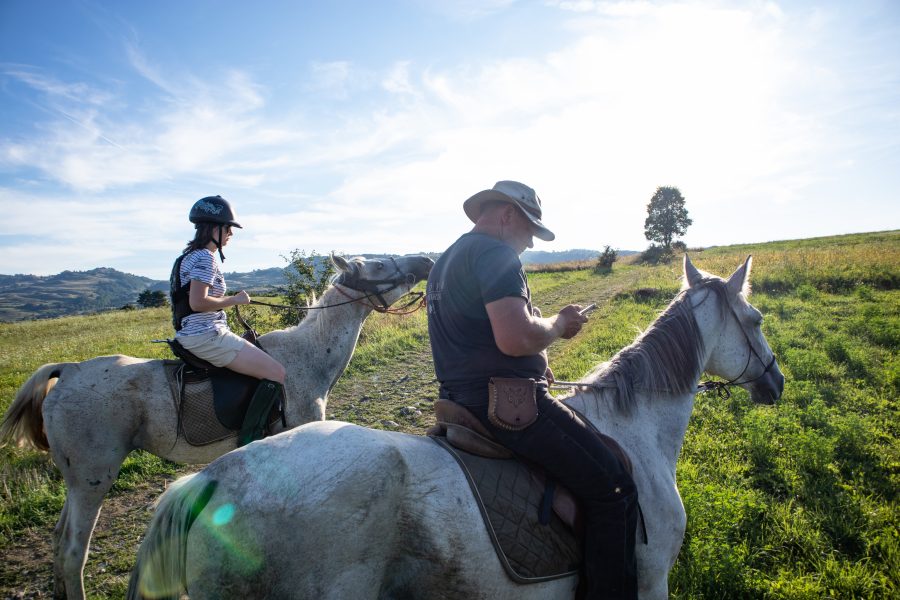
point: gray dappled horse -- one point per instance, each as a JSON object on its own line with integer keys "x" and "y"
{"x": 332, "y": 510}
{"x": 91, "y": 414}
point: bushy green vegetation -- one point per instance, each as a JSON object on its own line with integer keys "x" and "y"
{"x": 797, "y": 500}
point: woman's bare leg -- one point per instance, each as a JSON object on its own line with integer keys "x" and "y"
{"x": 253, "y": 361}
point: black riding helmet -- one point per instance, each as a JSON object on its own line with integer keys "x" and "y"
{"x": 217, "y": 210}
{"x": 213, "y": 209}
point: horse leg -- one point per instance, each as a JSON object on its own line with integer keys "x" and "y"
{"x": 86, "y": 484}
{"x": 74, "y": 535}
{"x": 59, "y": 581}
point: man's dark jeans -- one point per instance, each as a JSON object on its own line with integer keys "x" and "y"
{"x": 569, "y": 451}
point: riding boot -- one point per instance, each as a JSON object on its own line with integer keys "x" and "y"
{"x": 267, "y": 394}
{"x": 610, "y": 562}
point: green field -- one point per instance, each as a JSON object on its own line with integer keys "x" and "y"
{"x": 797, "y": 500}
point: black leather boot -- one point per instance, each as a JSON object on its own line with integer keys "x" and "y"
{"x": 267, "y": 394}
{"x": 610, "y": 566}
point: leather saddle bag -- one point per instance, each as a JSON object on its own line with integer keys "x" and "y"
{"x": 512, "y": 402}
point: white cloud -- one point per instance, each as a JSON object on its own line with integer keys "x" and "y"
{"x": 55, "y": 90}
{"x": 398, "y": 81}
{"x": 690, "y": 99}
{"x": 200, "y": 129}
{"x": 332, "y": 78}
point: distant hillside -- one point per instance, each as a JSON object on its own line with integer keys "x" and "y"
{"x": 256, "y": 280}
{"x": 69, "y": 292}
{"x": 540, "y": 257}
{"x": 74, "y": 292}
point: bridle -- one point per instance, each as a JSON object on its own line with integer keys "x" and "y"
{"x": 721, "y": 387}
{"x": 369, "y": 288}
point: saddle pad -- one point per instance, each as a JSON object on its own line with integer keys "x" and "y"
{"x": 196, "y": 413}
{"x": 509, "y": 498}
{"x": 199, "y": 417}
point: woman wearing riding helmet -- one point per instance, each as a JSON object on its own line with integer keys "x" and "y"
{"x": 199, "y": 300}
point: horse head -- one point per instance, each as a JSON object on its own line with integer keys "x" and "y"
{"x": 737, "y": 349}
{"x": 382, "y": 280}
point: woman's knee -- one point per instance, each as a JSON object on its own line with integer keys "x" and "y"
{"x": 274, "y": 370}
{"x": 253, "y": 361}
{"x": 280, "y": 372}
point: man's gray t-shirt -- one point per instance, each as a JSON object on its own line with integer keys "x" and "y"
{"x": 476, "y": 270}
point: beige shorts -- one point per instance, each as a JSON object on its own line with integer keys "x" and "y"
{"x": 216, "y": 347}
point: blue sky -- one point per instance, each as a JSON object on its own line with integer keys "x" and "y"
{"x": 363, "y": 126}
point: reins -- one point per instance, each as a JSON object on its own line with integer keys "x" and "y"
{"x": 369, "y": 288}
{"x": 416, "y": 297}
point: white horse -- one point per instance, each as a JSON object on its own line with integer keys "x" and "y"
{"x": 91, "y": 414}
{"x": 332, "y": 510}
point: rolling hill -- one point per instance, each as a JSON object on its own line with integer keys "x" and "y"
{"x": 79, "y": 292}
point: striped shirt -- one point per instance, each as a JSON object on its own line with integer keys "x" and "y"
{"x": 201, "y": 265}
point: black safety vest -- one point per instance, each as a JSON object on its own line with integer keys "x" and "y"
{"x": 180, "y": 295}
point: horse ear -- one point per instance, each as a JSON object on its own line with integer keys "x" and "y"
{"x": 739, "y": 282}
{"x": 691, "y": 275}
{"x": 340, "y": 262}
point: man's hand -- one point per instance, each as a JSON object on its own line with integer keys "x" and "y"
{"x": 569, "y": 321}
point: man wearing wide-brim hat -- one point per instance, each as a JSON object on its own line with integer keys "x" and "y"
{"x": 489, "y": 347}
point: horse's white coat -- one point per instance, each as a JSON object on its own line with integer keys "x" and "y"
{"x": 102, "y": 409}
{"x": 332, "y": 510}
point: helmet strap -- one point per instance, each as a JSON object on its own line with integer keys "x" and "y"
{"x": 218, "y": 242}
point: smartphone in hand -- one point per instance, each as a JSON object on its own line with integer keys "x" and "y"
{"x": 587, "y": 309}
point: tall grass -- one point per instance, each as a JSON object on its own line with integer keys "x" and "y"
{"x": 797, "y": 500}
{"x": 833, "y": 264}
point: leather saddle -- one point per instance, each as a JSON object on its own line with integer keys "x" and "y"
{"x": 465, "y": 432}
{"x": 230, "y": 392}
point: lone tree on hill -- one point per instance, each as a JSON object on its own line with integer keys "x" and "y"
{"x": 666, "y": 216}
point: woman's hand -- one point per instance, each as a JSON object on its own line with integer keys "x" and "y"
{"x": 201, "y": 301}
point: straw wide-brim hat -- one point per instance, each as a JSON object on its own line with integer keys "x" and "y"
{"x": 517, "y": 193}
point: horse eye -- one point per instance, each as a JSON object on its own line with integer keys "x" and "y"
{"x": 380, "y": 265}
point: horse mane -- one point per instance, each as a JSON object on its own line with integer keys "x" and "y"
{"x": 666, "y": 357}
{"x": 313, "y": 318}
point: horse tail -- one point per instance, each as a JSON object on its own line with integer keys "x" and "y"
{"x": 159, "y": 570}
{"x": 24, "y": 421}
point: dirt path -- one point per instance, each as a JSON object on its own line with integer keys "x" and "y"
{"x": 26, "y": 565}
{"x": 398, "y": 397}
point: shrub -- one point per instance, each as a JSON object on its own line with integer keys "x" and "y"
{"x": 657, "y": 254}
{"x": 148, "y": 299}
{"x": 605, "y": 260}
{"x": 308, "y": 276}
